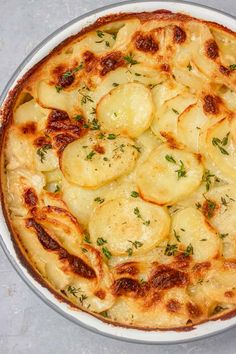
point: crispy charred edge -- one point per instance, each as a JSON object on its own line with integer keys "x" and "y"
{"x": 63, "y": 130}
{"x": 163, "y": 277}
{"x": 211, "y": 104}
{"x": 179, "y": 35}
{"x": 145, "y": 43}
{"x": 77, "y": 265}
{"x": 30, "y": 197}
{"x": 211, "y": 49}
{"x": 130, "y": 268}
{"x": 6, "y": 116}
{"x": 111, "y": 61}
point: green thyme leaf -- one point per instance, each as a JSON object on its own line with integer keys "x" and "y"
{"x": 106, "y": 252}
{"x": 99, "y": 200}
{"x": 101, "y": 241}
{"x": 170, "y": 158}
{"x": 171, "y": 250}
{"x": 134, "y": 194}
{"x": 42, "y": 151}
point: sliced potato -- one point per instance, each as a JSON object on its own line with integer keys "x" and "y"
{"x": 129, "y": 226}
{"x": 49, "y": 97}
{"x": 166, "y": 119}
{"x": 31, "y": 111}
{"x": 225, "y": 199}
{"x": 119, "y": 112}
{"x": 169, "y": 175}
{"x": 81, "y": 201}
{"x": 46, "y": 160}
{"x": 93, "y": 161}
{"x": 191, "y": 228}
{"x": 221, "y": 147}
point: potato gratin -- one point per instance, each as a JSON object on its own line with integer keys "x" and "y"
{"x": 119, "y": 170}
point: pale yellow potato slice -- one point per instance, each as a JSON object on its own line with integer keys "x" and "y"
{"x": 192, "y": 125}
{"x": 93, "y": 161}
{"x": 127, "y": 110}
{"x": 168, "y": 175}
{"x": 192, "y": 230}
{"x": 225, "y": 199}
{"x": 49, "y": 97}
{"x": 31, "y": 111}
{"x": 81, "y": 201}
{"x": 220, "y": 147}
{"x": 127, "y": 224}
{"x": 166, "y": 119}
{"x": 46, "y": 159}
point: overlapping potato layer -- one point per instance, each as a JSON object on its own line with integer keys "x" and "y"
{"x": 121, "y": 171}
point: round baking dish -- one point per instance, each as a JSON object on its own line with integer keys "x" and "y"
{"x": 79, "y": 317}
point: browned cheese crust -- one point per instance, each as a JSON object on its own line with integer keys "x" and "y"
{"x": 118, "y": 170}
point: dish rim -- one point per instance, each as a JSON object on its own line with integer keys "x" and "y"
{"x": 26, "y": 276}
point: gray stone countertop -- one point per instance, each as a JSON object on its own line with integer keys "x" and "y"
{"x": 27, "y": 325}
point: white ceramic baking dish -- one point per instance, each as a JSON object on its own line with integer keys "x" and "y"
{"x": 79, "y": 317}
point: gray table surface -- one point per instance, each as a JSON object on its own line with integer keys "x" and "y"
{"x": 27, "y": 325}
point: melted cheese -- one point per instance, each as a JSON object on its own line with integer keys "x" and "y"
{"x": 119, "y": 170}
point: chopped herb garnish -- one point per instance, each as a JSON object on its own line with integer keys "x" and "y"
{"x": 203, "y": 239}
{"x": 220, "y": 143}
{"x": 57, "y": 189}
{"x": 58, "y": 88}
{"x": 222, "y": 236}
{"x": 181, "y": 172}
{"x": 188, "y": 251}
{"x": 100, "y": 33}
{"x": 225, "y": 201}
{"x": 134, "y": 194}
{"x": 137, "y": 213}
{"x": 130, "y": 60}
{"x": 72, "y": 290}
{"x": 41, "y": 152}
{"x": 198, "y": 205}
{"x": 218, "y": 309}
{"x": 101, "y": 241}
{"x": 175, "y": 111}
{"x": 129, "y": 251}
{"x": 101, "y": 136}
{"x": 232, "y": 67}
{"x": 106, "y": 252}
{"x": 71, "y": 72}
{"x": 82, "y": 298}
{"x": 136, "y": 245}
{"x": 94, "y": 125}
{"x": 176, "y": 236}
{"x": 189, "y": 66}
{"x": 104, "y": 314}
{"x": 111, "y": 136}
{"x": 209, "y": 207}
{"x": 90, "y": 155}
{"x": 85, "y": 97}
{"x": 78, "y": 117}
{"x": 137, "y": 74}
{"x": 84, "y": 250}
{"x": 93, "y": 110}
{"x": 115, "y": 84}
{"x": 207, "y": 178}
{"x": 87, "y": 238}
{"x": 171, "y": 250}
{"x": 136, "y": 147}
{"x": 170, "y": 158}
{"x": 99, "y": 200}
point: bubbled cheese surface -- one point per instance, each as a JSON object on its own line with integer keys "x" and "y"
{"x": 119, "y": 169}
